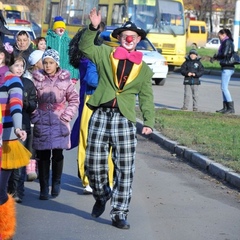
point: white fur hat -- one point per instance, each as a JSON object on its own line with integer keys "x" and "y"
{"x": 35, "y": 56}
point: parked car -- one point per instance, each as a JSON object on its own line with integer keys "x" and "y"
{"x": 16, "y": 25}
{"x": 155, "y": 60}
{"x": 213, "y": 43}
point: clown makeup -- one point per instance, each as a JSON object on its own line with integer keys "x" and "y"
{"x": 59, "y": 31}
{"x": 129, "y": 40}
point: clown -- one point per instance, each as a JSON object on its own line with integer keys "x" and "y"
{"x": 57, "y": 38}
{"x": 122, "y": 76}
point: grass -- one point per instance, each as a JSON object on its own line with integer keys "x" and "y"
{"x": 206, "y": 54}
{"x": 214, "y": 135}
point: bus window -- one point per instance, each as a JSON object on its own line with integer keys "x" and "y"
{"x": 16, "y": 11}
{"x": 194, "y": 29}
{"x": 75, "y": 13}
{"x": 113, "y": 12}
{"x": 164, "y": 21}
{"x": 13, "y": 14}
{"x": 47, "y": 15}
{"x": 118, "y": 14}
{"x": 104, "y": 12}
{"x": 203, "y": 29}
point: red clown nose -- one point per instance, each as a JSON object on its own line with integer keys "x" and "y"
{"x": 129, "y": 39}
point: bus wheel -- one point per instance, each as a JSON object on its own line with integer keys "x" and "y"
{"x": 159, "y": 81}
{"x": 194, "y": 45}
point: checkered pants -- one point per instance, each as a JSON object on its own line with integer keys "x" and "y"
{"x": 111, "y": 129}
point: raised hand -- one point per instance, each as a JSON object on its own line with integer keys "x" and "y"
{"x": 95, "y": 17}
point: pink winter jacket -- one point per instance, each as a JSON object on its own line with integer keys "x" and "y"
{"x": 58, "y": 101}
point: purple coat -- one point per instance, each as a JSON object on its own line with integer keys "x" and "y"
{"x": 58, "y": 101}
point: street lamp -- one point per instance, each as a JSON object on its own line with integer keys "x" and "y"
{"x": 236, "y": 25}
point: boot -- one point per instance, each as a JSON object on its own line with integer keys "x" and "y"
{"x": 31, "y": 170}
{"x": 7, "y": 219}
{"x": 230, "y": 108}
{"x": 43, "y": 171}
{"x": 57, "y": 168}
{"x": 224, "y": 108}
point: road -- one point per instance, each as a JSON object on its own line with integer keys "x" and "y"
{"x": 171, "y": 199}
{"x": 210, "y": 99}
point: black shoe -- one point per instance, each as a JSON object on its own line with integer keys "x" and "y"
{"x": 55, "y": 190}
{"x": 17, "y": 199}
{"x": 98, "y": 208}
{"x": 120, "y": 223}
{"x": 43, "y": 196}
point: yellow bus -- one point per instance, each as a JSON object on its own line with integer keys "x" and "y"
{"x": 196, "y": 33}
{"x": 74, "y": 12}
{"x": 164, "y": 21}
{"x": 16, "y": 11}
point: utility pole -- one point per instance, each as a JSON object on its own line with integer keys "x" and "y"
{"x": 236, "y": 25}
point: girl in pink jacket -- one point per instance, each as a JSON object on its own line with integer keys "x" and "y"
{"x": 58, "y": 101}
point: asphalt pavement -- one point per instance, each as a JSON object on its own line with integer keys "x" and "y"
{"x": 172, "y": 200}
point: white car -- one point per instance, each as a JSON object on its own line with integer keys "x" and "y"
{"x": 16, "y": 25}
{"x": 155, "y": 60}
{"x": 213, "y": 43}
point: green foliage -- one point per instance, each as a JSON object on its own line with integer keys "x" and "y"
{"x": 212, "y": 134}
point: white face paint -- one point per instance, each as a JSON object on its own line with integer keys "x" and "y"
{"x": 129, "y": 40}
{"x": 60, "y": 31}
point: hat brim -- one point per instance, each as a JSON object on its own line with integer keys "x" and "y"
{"x": 118, "y": 31}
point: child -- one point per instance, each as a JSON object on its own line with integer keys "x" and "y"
{"x": 14, "y": 154}
{"x": 58, "y": 39}
{"x": 16, "y": 182}
{"x": 192, "y": 69}
{"x": 40, "y": 43}
{"x": 58, "y": 101}
{"x": 35, "y": 61}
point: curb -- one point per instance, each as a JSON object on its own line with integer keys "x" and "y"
{"x": 203, "y": 162}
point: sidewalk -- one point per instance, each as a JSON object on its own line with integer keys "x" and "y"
{"x": 203, "y": 162}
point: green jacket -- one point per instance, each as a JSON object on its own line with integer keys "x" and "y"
{"x": 139, "y": 82}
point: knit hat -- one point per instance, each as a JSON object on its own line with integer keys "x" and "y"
{"x": 51, "y": 53}
{"x": 58, "y": 23}
{"x": 193, "y": 51}
{"x": 35, "y": 56}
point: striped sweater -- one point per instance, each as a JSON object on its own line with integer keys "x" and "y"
{"x": 11, "y": 101}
